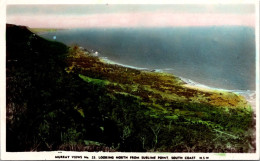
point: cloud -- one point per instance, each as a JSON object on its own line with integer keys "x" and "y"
{"x": 129, "y": 8}
{"x": 141, "y": 19}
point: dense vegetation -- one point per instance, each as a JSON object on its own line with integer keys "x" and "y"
{"x": 61, "y": 98}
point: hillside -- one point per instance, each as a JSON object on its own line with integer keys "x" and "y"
{"x": 63, "y": 98}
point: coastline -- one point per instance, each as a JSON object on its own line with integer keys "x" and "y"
{"x": 249, "y": 95}
{"x": 108, "y": 61}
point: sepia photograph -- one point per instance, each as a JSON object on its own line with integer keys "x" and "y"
{"x": 156, "y": 80}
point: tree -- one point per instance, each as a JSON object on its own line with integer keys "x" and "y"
{"x": 156, "y": 131}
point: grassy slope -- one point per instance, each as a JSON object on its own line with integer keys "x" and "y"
{"x": 98, "y": 106}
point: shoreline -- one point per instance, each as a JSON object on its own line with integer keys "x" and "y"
{"x": 249, "y": 95}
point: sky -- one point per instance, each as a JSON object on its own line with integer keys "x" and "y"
{"x": 133, "y": 15}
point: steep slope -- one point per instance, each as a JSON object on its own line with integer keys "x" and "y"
{"x": 61, "y": 98}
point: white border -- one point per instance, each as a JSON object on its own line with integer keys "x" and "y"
{"x": 2, "y": 78}
{"x": 131, "y": 2}
{"x": 257, "y": 35}
{"x": 51, "y": 155}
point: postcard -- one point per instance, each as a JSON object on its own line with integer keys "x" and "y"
{"x": 111, "y": 80}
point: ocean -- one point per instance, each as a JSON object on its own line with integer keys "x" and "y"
{"x": 217, "y": 57}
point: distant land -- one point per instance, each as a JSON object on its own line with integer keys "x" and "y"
{"x": 63, "y": 97}
{"x": 43, "y": 30}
